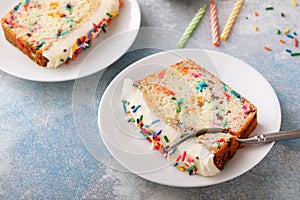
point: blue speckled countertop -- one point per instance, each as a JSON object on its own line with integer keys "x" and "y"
{"x": 45, "y": 155}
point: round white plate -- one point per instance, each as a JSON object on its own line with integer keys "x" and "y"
{"x": 134, "y": 153}
{"x": 106, "y": 49}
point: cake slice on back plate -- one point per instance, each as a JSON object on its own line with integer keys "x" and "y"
{"x": 54, "y": 32}
{"x": 184, "y": 98}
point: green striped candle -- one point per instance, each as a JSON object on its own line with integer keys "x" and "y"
{"x": 192, "y": 26}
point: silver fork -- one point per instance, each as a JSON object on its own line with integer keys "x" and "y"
{"x": 263, "y": 138}
{"x": 271, "y": 137}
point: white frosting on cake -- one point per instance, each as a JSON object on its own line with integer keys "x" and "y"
{"x": 203, "y": 159}
{"x": 204, "y": 162}
{"x": 135, "y": 97}
{"x": 57, "y": 48}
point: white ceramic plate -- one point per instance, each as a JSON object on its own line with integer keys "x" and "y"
{"x": 106, "y": 49}
{"x": 134, "y": 153}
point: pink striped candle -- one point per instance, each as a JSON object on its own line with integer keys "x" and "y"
{"x": 214, "y": 23}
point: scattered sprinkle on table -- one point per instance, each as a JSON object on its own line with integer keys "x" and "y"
{"x": 294, "y": 3}
{"x": 166, "y": 138}
{"x": 269, "y": 8}
{"x": 282, "y": 41}
{"x": 295, "y": 42}
{"x": 255, "y": 13}
{"x": 290, "y": 36}
{"x": 286, "y": 31}
{"x": 282, "y": 14}
{"x": 255, "y": 28}
{"x": 295, "y": 54}
{"x": 267, "y": 48}
{"x": 288, "y": 50}
{"x": 295, "y": 33}
{"x": 278, "y": 31}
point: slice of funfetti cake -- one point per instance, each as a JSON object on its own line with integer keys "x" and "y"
{"x": 54, "y": 32}
{"x": 184, "y": 98}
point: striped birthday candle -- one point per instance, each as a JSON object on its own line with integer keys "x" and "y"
{"x": 231, "y": 19}
{"x": 191, "y": 27}
{"x": 214, "y": 23}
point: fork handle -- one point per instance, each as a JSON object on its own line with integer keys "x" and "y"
{"x": 271, "y": 137}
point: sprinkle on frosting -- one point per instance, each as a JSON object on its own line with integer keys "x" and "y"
{"x": 183, "y": 156}
{"x": 166, "y": 138}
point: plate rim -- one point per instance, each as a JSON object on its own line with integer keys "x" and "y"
{"x": 137, "y": 21}
{"x": 115, "y": 80}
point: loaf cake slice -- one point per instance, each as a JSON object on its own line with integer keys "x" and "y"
{"x": 54, "y": 32}
{"x": 181, "y": 99}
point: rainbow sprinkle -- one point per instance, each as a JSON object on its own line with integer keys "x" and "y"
{"x": 86, "y": 40}
{"x": 155, "y": 121}
{"x": 201, "y": 86}
{"x": 295, "y": 54}
{"x": 136, "y": 108}
{"x": 191, "y": 168}
{"x": 180, "y": 168}
{"x": 183, "y": 156}
{"x": 290, "y": 36}
{"x": 255, "y": 28}
{"x": 39, "y": 46}
{"x": 278, "y": 32}
{"x": 267, "y": 48}
{"x": 286, "y": 31}
{"x": 288, "y": 50}
{"x": 158, "y": 133}
{"x": 166, "y": 138}
{"x": 269, "y": 8}
{"x": 295, "y": 42}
